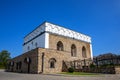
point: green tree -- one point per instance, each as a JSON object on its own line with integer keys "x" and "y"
{"x": 4, "y": 56}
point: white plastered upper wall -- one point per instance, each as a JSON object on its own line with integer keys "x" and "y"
{"x": 55, "y": 29}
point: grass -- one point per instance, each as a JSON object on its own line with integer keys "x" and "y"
{"x": 2, "y": 67}
{"x": 80, "y": 73}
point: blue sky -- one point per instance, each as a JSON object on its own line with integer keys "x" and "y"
{"x": 99, "y": 19}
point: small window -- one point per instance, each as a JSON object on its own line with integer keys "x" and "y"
{"x": 52, "y": 62}
{"x": 20, "y": 65}
{"x": 36, "y": 45}
{"x": 28, "y": 47}
{"x": 17, "y": 66}
{"x": 27, "y": 60}
{"x": 12, "y": 63}
{"x": 32, "y": 43}
{"x": 60, "y": 46}
{"x": 73, "y": 50}
{"x": 84, "y": 52}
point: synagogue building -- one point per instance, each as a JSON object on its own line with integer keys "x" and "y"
{"x": 51, "y": 48}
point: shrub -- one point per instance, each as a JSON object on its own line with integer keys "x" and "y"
{"x": 92, "y": 65}
{"x": 71, "y": 70}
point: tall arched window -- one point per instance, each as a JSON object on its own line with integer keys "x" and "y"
{"x": 27, "y": 60}
{"x": 84, "y": 55}
{"x": 52, "y": 62}
{"x": 60, "y": 46}
{"x": 73, "y": 50}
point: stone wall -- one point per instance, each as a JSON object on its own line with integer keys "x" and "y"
{"x": 40, "y": 64}
{"x": 48, "y": 54}
{"x": 105, "y": 70}
{"x": 60, "y": 56}
{"x": 117, "y": 69}
{"x": 24, "y": 67}
{"x": 67, "y": 42}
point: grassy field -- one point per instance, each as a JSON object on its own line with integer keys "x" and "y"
{"x": 80, "y": 73}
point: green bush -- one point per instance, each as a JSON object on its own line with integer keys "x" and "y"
{"x": 71, "y": 70}
{"x": 92, "y": 65}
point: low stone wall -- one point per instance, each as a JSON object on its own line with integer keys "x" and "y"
{"x": 117, "y": 69}
{"x": 106, "y": 70}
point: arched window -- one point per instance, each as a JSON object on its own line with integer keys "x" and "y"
{"x": 18, "y": 65}
{"x": 36, "y": 45}
{"x": 12, "y": 63}
{"x": 84, "y": 55}
{"x": 52, "y": 62}
{"x": 27, "y": 60}
{"x": 60, "y": 46}
{"x": 73, "y": 50}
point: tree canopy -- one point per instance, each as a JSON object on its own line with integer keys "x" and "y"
{"x": 4, "y": 56}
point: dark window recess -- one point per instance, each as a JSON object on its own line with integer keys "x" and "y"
{"x": 52, "y": 62}
{"x": 84, "y": 52}
{"x": 60, "y": 46}
{"x": 73, "y": 50}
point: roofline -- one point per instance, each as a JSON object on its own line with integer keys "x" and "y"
{"x": 68, "y": 28}
{"x": 35, "y": 28}
{"x": 56, "y": 25}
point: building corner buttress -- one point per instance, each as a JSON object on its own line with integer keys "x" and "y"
{"x": 91, "y": 52}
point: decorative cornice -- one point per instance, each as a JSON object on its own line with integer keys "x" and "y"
{"x": 55, "y": 29}
{"x": 66, "y": 32}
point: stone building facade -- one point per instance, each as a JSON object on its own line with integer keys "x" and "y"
{"x": 49, "y": 47}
